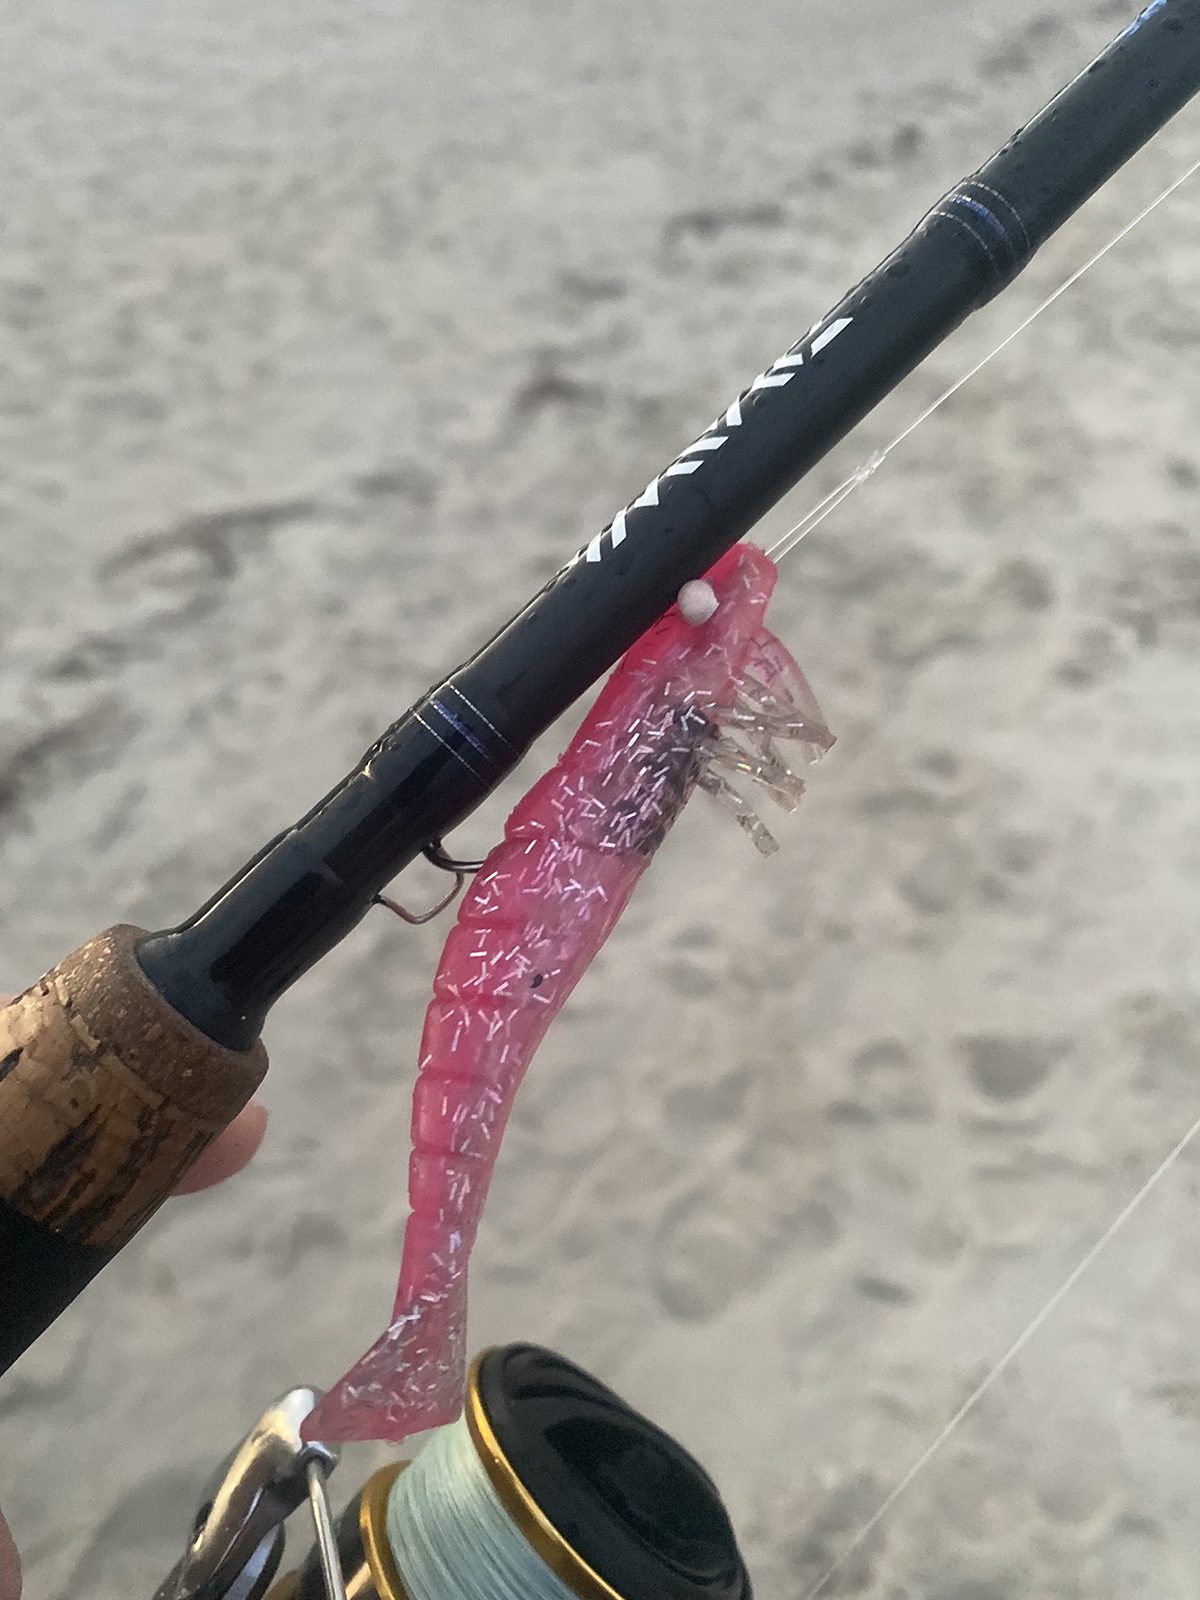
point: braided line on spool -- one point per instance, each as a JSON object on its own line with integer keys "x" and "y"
{"x": 452, "y": 1533}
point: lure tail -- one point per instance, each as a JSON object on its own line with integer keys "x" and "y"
{"x": 414, "y": 1375}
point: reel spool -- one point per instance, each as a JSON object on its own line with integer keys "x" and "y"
{"x": 548, "y": 1488}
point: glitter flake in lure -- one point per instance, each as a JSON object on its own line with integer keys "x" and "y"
{"x": 690, "y": 705}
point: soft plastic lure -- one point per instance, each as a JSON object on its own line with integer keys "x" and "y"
{"x": 692, "y": 703}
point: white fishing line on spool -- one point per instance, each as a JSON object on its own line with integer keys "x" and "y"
{"x": 450, "y": 1534}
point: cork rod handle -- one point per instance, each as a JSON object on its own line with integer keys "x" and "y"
{"x": 107, "y": 1096}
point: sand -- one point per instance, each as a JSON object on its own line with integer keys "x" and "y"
{"x": 328, "y": 332}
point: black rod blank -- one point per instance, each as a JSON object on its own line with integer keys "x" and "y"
{"x": 224, "y": 966}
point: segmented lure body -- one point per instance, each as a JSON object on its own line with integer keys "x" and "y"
{"x": 684, "y": 703}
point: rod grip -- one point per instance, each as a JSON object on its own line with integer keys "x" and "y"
{"x": 107, "y": 1096}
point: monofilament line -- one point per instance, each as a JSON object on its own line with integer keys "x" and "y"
{"x": 835, "y": 497}
{"x": 1006, "y": 1360}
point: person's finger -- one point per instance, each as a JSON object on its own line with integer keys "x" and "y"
{"x": 227, "y": 1154}
{"x": 10, "y": 1565}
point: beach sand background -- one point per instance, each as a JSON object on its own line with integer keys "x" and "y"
{"x": 328, "y": 332}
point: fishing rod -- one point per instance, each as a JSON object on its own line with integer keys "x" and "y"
{"x": 119, "y": 1066}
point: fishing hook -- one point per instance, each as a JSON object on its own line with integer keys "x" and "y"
{"x": 415, "y": 918}
{"x": 436, "y": 856}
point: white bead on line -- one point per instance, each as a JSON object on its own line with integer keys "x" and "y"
{"x": 697, "y": 602}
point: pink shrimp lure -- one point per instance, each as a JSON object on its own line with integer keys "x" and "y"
{"x": 689, "y": 705}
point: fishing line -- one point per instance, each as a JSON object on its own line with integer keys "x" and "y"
{"x": 451, "y": 1535}
{"x": 868, "y": 468}
{"x": 790, "y": 540}
{"x": 1006, "y": 1360}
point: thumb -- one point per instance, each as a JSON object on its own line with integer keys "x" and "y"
{"x": 228, "y": 1153}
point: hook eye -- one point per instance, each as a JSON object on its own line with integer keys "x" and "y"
{"x": 436, "y": 855}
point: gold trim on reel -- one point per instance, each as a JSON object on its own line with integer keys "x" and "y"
{"x": 372, "y": 1530}
{"x": 524, "y": 1510}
